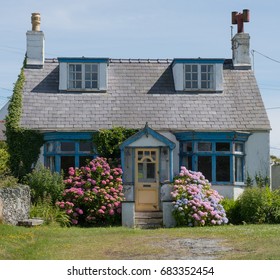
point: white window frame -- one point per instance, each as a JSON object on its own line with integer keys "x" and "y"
{"x": 83, "y": 77}
{"x": 199, "y": 76}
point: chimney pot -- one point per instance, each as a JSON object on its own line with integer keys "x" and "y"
{"x": 35, "y": 44}
{"x": 36, "y": 21}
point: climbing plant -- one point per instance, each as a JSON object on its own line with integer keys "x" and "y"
{"x": 107, "y": 141}
{"x": 23, "y": 144}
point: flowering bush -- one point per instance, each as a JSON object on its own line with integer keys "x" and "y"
{"x": 195, "y": 202}
{"x": 93, "y": 194}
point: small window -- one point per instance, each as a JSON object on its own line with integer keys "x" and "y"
{"x": 83, "y": 76}
{"x": 223, "y": 169}
{"x": 204, "y": 147}
{"x": 222, "y": 147}
{"x": 205, "y": 166}
{"x": 85, "y": 147}
{"x": 67, "y": 147}
{"x": 239, "y": 169}
{"x": 199, "y": 76}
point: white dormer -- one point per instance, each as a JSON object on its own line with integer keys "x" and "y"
{"x": 83, "y": 74}
{"x": 198, "y": 75}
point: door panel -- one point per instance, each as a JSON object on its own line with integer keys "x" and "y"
{"x": 147, "y": 179}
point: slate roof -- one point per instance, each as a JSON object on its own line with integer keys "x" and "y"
{"x": 139, "y": 92}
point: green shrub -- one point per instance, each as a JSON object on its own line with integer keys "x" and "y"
{"x": 256, "y": 205}
{"x": 8, "y": 181}
{"x": 43, "y": 183}
{"x": 4, "y": 159}
{"x": 45, "y": 210}
{"x": 232, "y": 208}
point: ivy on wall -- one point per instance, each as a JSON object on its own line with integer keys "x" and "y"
{"x": 23, "y": 144}
{"x": 107, "y": 141}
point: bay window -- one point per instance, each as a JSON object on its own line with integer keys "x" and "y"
{"x": 220, "y": 158}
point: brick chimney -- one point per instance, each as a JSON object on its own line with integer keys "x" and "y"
{"x": 241, "y": 41}
{"x": 35, "y": 43}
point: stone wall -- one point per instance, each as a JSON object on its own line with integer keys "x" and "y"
{"x": 14, "y": 204}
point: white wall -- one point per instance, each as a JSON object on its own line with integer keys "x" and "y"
{"x": 257, "y": 154}
{"x": 171, "y": 137}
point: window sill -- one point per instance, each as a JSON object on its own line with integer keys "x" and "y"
{"x": 84, "y": 91}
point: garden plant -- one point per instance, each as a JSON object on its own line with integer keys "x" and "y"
{"x": 195, "y": 202}
{"x": 93, "y": 194}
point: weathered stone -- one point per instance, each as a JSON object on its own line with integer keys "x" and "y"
{"x": 14, "y": 204}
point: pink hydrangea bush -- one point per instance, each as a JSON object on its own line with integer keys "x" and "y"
{"x": 195, "y": 202}
{"x": 94, "y": 194}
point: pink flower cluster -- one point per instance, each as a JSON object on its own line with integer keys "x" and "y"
{"x": 195, "y": 202}
{"x": 94, "y": 194}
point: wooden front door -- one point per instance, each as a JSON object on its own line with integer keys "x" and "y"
{"x": 147, "y": 179}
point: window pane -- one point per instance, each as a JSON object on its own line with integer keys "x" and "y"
{"x": 188, "y": 76}
{"x": 78, "y": 67}
{"x": 151, "y": 171}
{"x": 195, "y": 85}
{"x": 88, "y": 67}
{"x": 222, "y": 169}
{"x": 66, "y": 163}
{"x": 50, "y": 147}
{"x": 87, "y": 84}
{"x": 187, "y": 162}
{"x": 204, "y": 147}
{"x": 204, "y": 165}
{"x": 203, "y": 76}
{"x": 204, "y": 85}
{"x": 94, "y": 68}
{"x": 78, "y": 85}
{"x": 239, "y": 147}
{"x": 188, "y": 68}
{"x": 187, "y": 147}
{"x": 67, "y": 147}
{"x": 194, "y": 76}
{"x": 94, "y": 76}
{"x": 94, "y": 84}
{"x": 188, "y": 85}
{"x": 222, "y": 147}
{"x": 50, "y": 163}
{"x": 194, "y": 68}
{"x": 239, "y": 169}
{"x": 85, "y": 146}
{"x": 87, "y": 76}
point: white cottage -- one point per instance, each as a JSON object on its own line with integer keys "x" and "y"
{"x": 204, "y": 113}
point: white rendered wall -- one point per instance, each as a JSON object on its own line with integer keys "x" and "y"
{"x": 257, "y": 155}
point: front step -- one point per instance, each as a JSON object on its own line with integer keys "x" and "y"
{"x": 148, "y": 219}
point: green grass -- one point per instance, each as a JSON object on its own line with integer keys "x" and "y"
{"x": 118, "y": 243}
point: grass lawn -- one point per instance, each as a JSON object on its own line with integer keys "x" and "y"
{"x": 118, "y": 243}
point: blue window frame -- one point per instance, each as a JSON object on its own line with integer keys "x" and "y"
{"x": 65, "y": 150}
{"x": 219, "y": 156}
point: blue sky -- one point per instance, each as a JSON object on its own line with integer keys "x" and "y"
{"x": 145, "y": 29}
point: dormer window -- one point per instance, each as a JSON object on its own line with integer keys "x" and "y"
{"x": 83, "y": 74}
{"x": 198, "y": 75}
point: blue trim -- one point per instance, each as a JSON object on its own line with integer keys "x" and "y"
{"x": 53, "y": 136}
{"x": 199, "y": 60}
{"x": 171, "y": 165}
{"x": 148, "y": 131}
{"x": 204, "y": 136}
{"x": 83, "y": 59}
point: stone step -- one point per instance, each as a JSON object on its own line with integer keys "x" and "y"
{"x": 148, "y": 215}
{"x": 148, "y": 219}
{"x": 30, "y": 222}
